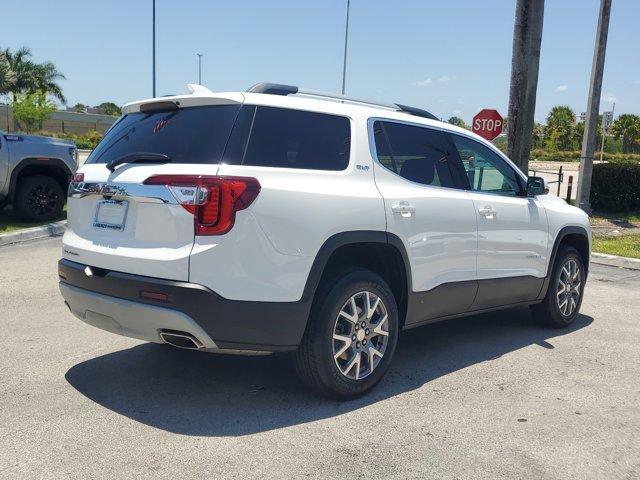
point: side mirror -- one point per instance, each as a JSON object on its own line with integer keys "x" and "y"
{"x": 536, "y": 186}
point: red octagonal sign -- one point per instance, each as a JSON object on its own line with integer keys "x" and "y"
{"x": 488, "y": 124}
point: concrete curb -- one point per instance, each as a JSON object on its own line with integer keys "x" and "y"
{"x": 50, "y": 230}
{"x": 615, "y": 261}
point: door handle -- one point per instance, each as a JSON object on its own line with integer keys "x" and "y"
{"x": 404, "y": 208}
{"x": 488, "y": 212}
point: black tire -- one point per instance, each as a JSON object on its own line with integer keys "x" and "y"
{"x": 314, "y": 359}
{"x": 548, "y": 312}
{"x": 38, "y": 199}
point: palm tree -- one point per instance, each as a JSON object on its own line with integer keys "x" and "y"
{"x": 627, "y": 126}
{"x": 7, "y": 76}
{"x": 46, "y": 76}
{"x": 23, "y": 68}
{"x": 31, "y": 77}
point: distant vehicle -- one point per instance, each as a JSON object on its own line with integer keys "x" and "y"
{"x": 34, "y": 174}
{"x": 287, "y": 220}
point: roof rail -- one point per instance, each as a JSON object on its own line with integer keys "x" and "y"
{"x": 284, "y": 90}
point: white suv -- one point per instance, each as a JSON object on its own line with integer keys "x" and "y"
{"x": 280, "y": 219}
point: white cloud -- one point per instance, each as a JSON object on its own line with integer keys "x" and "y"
{"x": 429, "y": 81}
{"x": 458, "y": 113}
{"x": 424, "y": 83}
{"x": 608, "y": 97}
{"x": 562, "y": 88}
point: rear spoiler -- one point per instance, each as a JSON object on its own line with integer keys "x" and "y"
{"x": 198, "y": 95}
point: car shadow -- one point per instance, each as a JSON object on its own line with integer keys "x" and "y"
{"x": 195, "y": 393}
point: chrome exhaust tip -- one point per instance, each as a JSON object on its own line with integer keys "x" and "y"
{"x": 181, "y": 339}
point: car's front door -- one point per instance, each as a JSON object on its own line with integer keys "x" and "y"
{"x": 512, "y": 228}
{"x": 429, "y": 212}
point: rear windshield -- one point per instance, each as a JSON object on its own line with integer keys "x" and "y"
{"x": 189, "y": 135}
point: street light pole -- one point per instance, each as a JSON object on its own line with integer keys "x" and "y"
{"x": 199, "y": 68}
{"x": 593, "y": 106}
{"x": 346, "y": 40}
{"x": 153, "y": 48}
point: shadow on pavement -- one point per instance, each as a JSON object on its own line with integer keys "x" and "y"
{"x": 194, "y": 393}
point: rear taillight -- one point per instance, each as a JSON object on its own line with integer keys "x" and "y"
{"x": 77, "y": 178}
{"x": 212, "y": 200}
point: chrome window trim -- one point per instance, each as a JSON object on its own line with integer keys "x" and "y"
{"x": 122, "y": 191}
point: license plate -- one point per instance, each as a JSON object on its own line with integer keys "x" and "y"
{"x": 111, "y": 214}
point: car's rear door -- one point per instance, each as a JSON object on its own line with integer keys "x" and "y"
{"x": 117, "y": 219}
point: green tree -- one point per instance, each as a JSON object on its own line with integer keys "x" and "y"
{"x": 31, "y": 77}
{"x": 578, "y": 134}
{"x": 627, "y": 127}
{"x": 79, "y": 107}
{"x": 538, "y": 135}
{"x": 30, "y": 110}
{"x": 559, "y": 132}
{"x": 22, "y": 68}
{"x": 46, "y": 77}
{"x": 7, "y": 76}
{"x": 110, "y": 108}
{"x": 458, "y": 122}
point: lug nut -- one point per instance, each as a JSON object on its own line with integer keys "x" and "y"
{"x": 357, "y": 344}
{"x": 362, "y": 324}
{"x": 364, "y": 342}
{"x": 357, "y": 327}
{"x": 367, "y": 331}
{"x": 353, "y": 337}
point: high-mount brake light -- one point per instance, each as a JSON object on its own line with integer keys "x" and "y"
{"x": 213, "y": 200}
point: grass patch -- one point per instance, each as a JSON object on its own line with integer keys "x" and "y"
{"x": 624, "y": 246}
{"x": 10, "y": 223}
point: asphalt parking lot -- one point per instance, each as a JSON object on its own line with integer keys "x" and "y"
{"x": 491, "y": 396}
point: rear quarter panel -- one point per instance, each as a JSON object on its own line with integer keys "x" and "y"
{"x": 268, "y": 254}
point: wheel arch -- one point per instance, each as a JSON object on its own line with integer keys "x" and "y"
{"x": 52, "y": 167}
{"x": 378, "y": 251}
{"x": 575, "y": 236}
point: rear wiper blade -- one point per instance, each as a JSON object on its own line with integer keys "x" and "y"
{"x": 138, "y": 157}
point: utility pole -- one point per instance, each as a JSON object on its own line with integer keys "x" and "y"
{"x": 346, "y": 39}
{"x": 153, "y": 48}
{"x": 593, "y": 106}
{"x": 527, "y": 37}
{"x": 199, "y": 68}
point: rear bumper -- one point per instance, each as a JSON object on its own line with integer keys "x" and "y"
{"x": 111, "y": 301}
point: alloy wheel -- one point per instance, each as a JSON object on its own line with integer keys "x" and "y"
{"x": 569, "y": 287}
{"x": 360, "y": 335}
{"x": 42, "y": 200}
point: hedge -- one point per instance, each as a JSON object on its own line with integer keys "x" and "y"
{"x": 574, "y": 156}
{"x": 615, "y": 187}
{"x": 86, "y": 141}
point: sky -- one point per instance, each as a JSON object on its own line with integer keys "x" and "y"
{"x": 448, "y": 57}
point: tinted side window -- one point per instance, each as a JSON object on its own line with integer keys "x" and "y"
{"x": 187, "y": 135}
{"x": 487, "y": 172}
{"x": 296, "y": 139}
{"x": 418, "y": 154}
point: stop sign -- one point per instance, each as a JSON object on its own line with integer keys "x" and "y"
{"x": 487, "y": 123}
